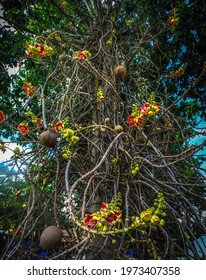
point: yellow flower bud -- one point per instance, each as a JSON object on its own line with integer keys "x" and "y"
{"x": 155, "y": 220}
{"x": 68, "y": 132}
{"x": 104, "y": 228}
{"x": 146, "y": 215}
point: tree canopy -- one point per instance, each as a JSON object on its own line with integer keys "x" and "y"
{"x": 105, "y": 102}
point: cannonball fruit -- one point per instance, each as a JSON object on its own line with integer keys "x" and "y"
{"x": 63, "y": 57}
{"x": 120, "y": 71}
{"x": 118, "y": 129}
{"x": 50, "y": 238}
{"x": 48, "y": 138}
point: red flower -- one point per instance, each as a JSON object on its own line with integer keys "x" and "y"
{"x": 2, "y": 117}
{"x": 40, "y": 49}
{"x": 131, "y": 121}
{"x": 81, "y": 55}
{"x": 58, "y": 126}
{"x": 171, "y": 22}
{"x": 23, "y": 129}
{"x": 104, "y": 205}
{"x": 179, "y": 73}
{"x": 38, "y": 121}
{"x": 113, "y": 217}
{"x": 29, "y": 89}
{"x": 29, "y": 49}
{"x": 134, "y": 121}
{"x": 89, "y": 221}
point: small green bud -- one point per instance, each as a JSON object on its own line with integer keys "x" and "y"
{"x": 74, "y": 139}
{"x": 162, "y": 222}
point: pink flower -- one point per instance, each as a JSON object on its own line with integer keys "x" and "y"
{"x": 144, "y": 109}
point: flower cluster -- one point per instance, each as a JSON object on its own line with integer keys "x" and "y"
{"x": 23, "y": 128}
{"x": 138, "y": 115}
{"x": 100, "y": 94}
{"x": 134, "y": 168}
{"x": 2, "y": 117}
{"x": 29, "y": 89}
{"x": 82, "y": 55}
{"x": 69, "y": 135}
{"x": 177, "y": 73}
{"x": 38, "y": 121}
{"x": 155, "y": 214}
{"x": 109, "y": 215}
{"x": 151, "y": 217}
{"x": 38, "y": 49}
{"x": 66, "y": 152}
{"x": 173, "y": 20}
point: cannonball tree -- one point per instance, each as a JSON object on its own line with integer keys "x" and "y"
{"x": 106, "y": 157}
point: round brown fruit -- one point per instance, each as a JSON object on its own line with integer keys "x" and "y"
{"x": 118, "y": 129}
{"x": 120, "y": 71}
{"x": 50, "y": 238}
{"x": 48, "y": 138}
{"x": 63, "y": 57}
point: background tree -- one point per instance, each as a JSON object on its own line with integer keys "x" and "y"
{"x": 122, "y": 176}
